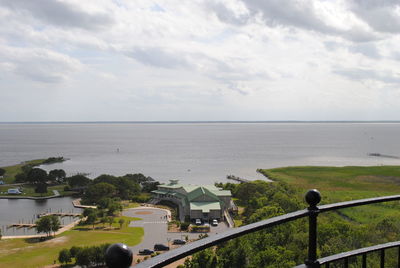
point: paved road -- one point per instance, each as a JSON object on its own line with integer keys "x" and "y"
{"x": 156, "y": 228}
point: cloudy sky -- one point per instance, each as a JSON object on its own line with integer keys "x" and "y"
{"x": 74, "y": 60}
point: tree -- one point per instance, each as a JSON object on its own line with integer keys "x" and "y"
{"x": 37, "y": 175}
{"x": 83, "y": 257}
{"x": 103, "y": 220}
{"x": 98, "y": 191}
{"x": 88, "y": 211}
{"x": 78, "y": 180}
{"x": 20, "y": 177}
{"x": 91, "y": 219}
{"x": 55, "y": 224}
{"x": 64, "y": 256}
{"x": 41, "y": 188}
{"x": 57, "y": 175}
{"x": 121, "y": 221}
{"x": 43, "y": 225}
{"x": 48, "y": 224}
{"x": 2, "y": 171}
{"x": 74, "y": 250}
{"x": 113, "y": 207}
{"x": 110, "y": 220}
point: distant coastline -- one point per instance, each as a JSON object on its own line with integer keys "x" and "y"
{"x": 198, "y": 122}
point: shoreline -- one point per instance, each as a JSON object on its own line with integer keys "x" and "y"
{"x": 56, "y": 194}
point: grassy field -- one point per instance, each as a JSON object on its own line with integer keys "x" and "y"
{"x": 11, "y": 171}
{"x": 30, "y": 253}
{"x": 346, "y": 183}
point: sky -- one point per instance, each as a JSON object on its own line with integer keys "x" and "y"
{"x": 173, "y": 60}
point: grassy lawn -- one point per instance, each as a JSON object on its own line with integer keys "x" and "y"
{"x": 346, "y": 183}
{"x": 30, "y": 253}
{"x": 128, "y": 204}
{"x": 11, "y": 171}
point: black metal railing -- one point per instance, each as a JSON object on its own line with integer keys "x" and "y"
{"x": 119, "y": 256}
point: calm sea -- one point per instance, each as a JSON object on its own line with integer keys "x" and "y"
{"x": 198, "y": 152}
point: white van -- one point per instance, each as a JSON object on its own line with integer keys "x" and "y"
{"x": 13, "y": 191}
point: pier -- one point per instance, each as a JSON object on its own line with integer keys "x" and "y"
{"x": 59, "y": 214}
{"x": 22, "y": 225}
{"x": 238, "y": 179}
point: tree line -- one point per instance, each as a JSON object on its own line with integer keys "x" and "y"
{"x": 84, "y": 256}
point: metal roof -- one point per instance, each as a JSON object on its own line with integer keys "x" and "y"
{"x": 205, "y": 207}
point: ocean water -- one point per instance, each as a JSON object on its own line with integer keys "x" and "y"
{"x": 198, "y": 152}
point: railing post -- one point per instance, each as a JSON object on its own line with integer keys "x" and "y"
{"x": 313, "y": 197}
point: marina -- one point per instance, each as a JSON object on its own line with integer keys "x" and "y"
{"x": 18, "y": 216}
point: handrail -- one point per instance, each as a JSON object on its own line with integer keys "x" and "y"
{"x": 354, "y": 253}
{"x": 359, "y": 202}
{"x": 186, "y": 250}
{"x": 312, "y": 197}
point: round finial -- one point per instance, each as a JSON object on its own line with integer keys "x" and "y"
{"x": 313, "y": 197}
{"x": 118, "y": 255}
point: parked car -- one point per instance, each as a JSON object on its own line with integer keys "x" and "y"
{"x": 214, "y": 222}
{"x": 145, "y": 252}
{"x": 198, "y": 222}
{"x": 160, "y": 247}
{"x": 179, "y": 242}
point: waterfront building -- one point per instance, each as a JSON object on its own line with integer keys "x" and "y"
{"x": 205, "y": 202}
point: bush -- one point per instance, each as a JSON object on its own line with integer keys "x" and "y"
{"x": 67, "y": 188}
{"x": 20, "y": 177}
{"x": 74, "y": 251}
{"x": 141, "y": 198}
{"x": 184, "y": 226}
{"x": 64, "y": 256}
{"x": 200, "y": 229}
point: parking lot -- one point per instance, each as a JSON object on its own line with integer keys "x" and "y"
{"x": 154, "y": 222}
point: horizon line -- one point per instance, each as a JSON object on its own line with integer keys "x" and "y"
{"x": 199, "y": 121}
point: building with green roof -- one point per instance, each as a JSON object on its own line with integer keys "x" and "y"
{"x": 204, "y": 202}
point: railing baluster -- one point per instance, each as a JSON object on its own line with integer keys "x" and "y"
{"x": 364, "y": 260}
{"x": 382, "y": 258}
{"x": 313, "y": 197}
{"x": 398, "y": 257}
{"x": 327, "y": 265}
{"x": 346, "y": 262}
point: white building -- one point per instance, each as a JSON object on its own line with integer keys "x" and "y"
{"x": 204, "y": 202}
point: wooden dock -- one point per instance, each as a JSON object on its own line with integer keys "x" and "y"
{"x": 22, "y": 225}
{"x": 234, "y": 178}
{"x": 59, "y": 214}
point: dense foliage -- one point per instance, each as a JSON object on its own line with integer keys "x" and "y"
{"x": 84, "y": 256}
{"x": 286, "y": 245}
{"x": 107, "y": 187}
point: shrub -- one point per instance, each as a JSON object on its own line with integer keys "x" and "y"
{"x": 67, "y": 188}
{"x": 184, "y": 226}
{"x": 64, "y": 256}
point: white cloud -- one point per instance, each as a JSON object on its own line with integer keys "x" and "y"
{"x": 59, "y": 13}
{"x": 198, "y": 60}
{"x": 38, "y": 64}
